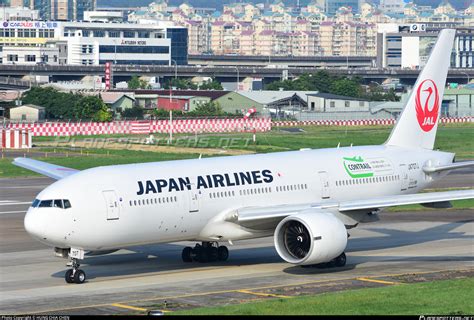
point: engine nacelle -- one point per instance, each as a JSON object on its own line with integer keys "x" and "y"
{"x": 310, "y": 237}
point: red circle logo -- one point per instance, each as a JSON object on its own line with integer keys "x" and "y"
{"x": 427, "y": 104}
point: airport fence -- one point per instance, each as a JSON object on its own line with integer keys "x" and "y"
{"x": 195, "y": 126}
{"x": 373, "y": 122}
{"x": 39, "y": 129}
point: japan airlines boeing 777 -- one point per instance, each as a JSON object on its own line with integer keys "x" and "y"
{"x": 306, "y": 199}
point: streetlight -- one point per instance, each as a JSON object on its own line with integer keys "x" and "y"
{"x": 175, "y": 68}
{"x": 467, "y": 75}
{"x": 170, "y": 140}
{"x": 238, "y": 78}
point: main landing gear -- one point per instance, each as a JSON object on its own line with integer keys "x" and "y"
{"x": 205, "y": 252}
{"x": 75, "y": 275}
{"x": 339, "y": 261}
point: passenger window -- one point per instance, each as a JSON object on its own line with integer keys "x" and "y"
{"x": 58, "y": 204}
{"x": 46, "y": 204}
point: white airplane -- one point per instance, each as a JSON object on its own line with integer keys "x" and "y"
{"x": 306, "y": 199}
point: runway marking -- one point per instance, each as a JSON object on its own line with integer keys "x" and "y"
{"x": 6, "y": 212}
{"x": 263, "y": 294}
{"x": 26, "y": 187}
{"x": 11, "y": 203}
{"x": 124, "y": 306}
{"x": 236, "y": 290}
{"x": 377, "y": 281}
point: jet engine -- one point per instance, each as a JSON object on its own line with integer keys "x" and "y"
{"x": 310, "y": 237}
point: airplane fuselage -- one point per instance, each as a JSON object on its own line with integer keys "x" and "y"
{"x": 125, "y": 205}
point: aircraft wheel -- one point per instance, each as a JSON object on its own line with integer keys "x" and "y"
{"x": 222, "y": 253}
{"x": 79, "y": 276}
{"x": 340, "y": 261}
{"x": 186, "y": 254}
{"x": 69, "y": 277}
{"x": 213, "y": 254}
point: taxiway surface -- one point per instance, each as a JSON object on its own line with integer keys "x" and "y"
{"x": 140, "y": 278}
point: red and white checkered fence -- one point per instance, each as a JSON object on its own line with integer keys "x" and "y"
{"x": 372, "y": 122}
{"x": 15, "y": 139}
{"x": 187, "y": 126}
{"x": 143, "y": 127}
{"x": 212, "y": 125}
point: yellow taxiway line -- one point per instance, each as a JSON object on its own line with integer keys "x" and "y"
{"x": 124, "y": 306}
{"x": 377, "y": 281}
{"x": 262, "y": 294}
{"x": 251, "y": 289}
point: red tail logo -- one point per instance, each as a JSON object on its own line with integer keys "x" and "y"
{"x": 427, "y": 104}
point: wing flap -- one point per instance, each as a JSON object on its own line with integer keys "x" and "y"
{"x": 401, "y": 200}
{"x": 44, "y": 168}
{"x": 269, "y": 216}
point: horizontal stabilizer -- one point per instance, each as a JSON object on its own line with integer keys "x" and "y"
{"x": 448, "y": 167}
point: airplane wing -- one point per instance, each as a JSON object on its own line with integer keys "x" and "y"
{"x": 448, "y": 167}
{"x": 44, "y": 168}
{"x": 267, "y": 217}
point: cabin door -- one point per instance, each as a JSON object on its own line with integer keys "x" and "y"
{"x": 112, "y": 204}
{"x": 194, "y": 197}
{"x": 324, "y": 180}
{"x": 404, "y": 178}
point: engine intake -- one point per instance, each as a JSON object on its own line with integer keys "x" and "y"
{"x": 310, "y": 237}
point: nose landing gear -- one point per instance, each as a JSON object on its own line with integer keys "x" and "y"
{"x": 205, "y": 252}
{"x": 75, "y": 275}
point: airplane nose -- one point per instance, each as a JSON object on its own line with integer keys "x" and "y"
{"x": 34, "y": 224}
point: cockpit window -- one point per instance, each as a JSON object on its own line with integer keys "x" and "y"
{"x": 59, "y": 203}
{"x": 67, "y": 204}
{"x": 35, "y": 203}
{"x": 45, "y": 203}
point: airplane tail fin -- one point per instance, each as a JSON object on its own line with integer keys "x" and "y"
{"x": 418, "y": 122}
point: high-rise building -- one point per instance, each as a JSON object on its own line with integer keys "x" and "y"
{"x": 332, "y": 5}
{"x": 61, "y": 10}
{"x": 77, "y": 7}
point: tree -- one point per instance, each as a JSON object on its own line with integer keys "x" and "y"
{"x": 134, "y": 112}
{"x": 208, "y": 109}
{"x": 62, "y": 105}
{"x": 182, "y": 84}
{"x": 136, "y": 83}
{"x": 211, "y": 84}
{"x": 91, "y": 107}
{"x": 346, "y": 87}
{"x": 162, "y": 113}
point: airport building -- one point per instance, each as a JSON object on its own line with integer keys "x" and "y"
{"x": 92, "y": 43}
{"x": 409, "y": 46}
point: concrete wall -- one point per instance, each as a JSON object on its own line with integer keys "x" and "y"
{"x": 26, "y": 114}
{"x": 319, "y": 104}
{"x": 194, "y": 102}
{"x": 233, "y": 102}
{"x": 123, "y": 103}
